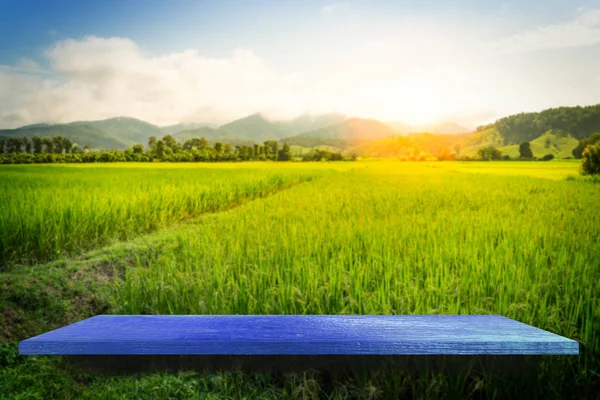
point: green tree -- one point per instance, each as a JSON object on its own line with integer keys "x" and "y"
{"x": 171, "y": 143}
{"x": 489, "y": 153}
{"x": 271, "y": 149}
{"x": 322, "y": 155}
{"x": 67, "y": 145}
{"x": 525, "y": 150}
{"x": 151, "y": 142}
{"x": 195, "y": 143}
{"x": 590, "y": 164}
{"x": 227, "y": 151}
{"x": 27, "y": 144}
{"x": 58, "y": 144}
{"x": 285, "y": 154}
{"x": 243, "y": 153}
{"x": 218, "y": 149}
{"x": 49, "y": 145}
{"x": 2, "y": 146}
{"x": 578, "y": 151}
{"x": 38, "y": 145}
{"x": 160, "y": 149}
{"x": 137, "y": 149}
{"x": 14, "y": 145}
{"x": 261, "y": 153}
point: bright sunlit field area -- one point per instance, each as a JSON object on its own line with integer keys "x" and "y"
{"x": 519, "y": 239}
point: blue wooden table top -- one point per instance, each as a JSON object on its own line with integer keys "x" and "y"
{"x": 299, "y": 335}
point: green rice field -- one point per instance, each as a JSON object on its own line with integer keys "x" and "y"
{"x": 520, "y": 239}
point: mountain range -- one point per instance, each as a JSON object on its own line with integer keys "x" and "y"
{"x": 121, "y": 132}
{"x": 553, "y": 131}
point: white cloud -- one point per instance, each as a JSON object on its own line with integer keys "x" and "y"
{"x": 583, "y": 30}
{"x": 26, "y": 66}
{"x": 335, "y": 7}
{"x": 392, "y": 79}
{"x": 99, "y": 78}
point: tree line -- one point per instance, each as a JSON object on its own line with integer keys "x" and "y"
{"x": 40, "y": 145}
{"x": 59, "y": 149}
{"x": 492, "y": 153}
{"x": 590, "y": 155}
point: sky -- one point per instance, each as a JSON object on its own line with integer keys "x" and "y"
{"x": 415, "y": 62}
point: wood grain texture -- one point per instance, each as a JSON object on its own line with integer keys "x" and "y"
{"x": 299, "y": 334}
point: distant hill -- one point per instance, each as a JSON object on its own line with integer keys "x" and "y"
{"x": 447, "y": 128}
{"x": 401, "y": 127}
{"x": 410, "y": 146}
{"x": 203, "y": 132}
{"x": 355, "y": 129}
{"x": 174, "y": 129}
{"x": 128, "y": 130}
{"x": 40, "y": 125}
{"x": 258, "y": 128}
{"x": 553, "y": 131}
{"x": 254, "y": 127}
{"x": 109, "y": 134}
{"x": 470, "y": 144}
{"x": 212, "y": 135}
{"x": 122, "y": 132}
{"x": 80, "y": 134}
{"x": 311, "y": 122}
{"x": 578, "y": 122}
{"x": 444, "y": 128}
{"x": 548, "y": 143}
{"x": 436, "y": 144}
{"x": 368, "y": 136}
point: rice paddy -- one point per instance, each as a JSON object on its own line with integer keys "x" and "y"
{"x": 515, "y": 238}
{"x": 46, "y": 212}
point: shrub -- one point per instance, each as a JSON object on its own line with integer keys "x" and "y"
{"x": 578, "y": 151}
{"x": 489, "y": 153}
{"x": 590, "y": 164}
{"x": 548, "y": 157}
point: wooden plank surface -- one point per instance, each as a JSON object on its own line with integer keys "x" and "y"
{"x": 299, "y": 334}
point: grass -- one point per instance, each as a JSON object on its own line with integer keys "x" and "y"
{"x": 518, "y": 239}
{"x": 46, "y": 212}
{"x": 548, "y": 143}
{"x": 555, "y": 170}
